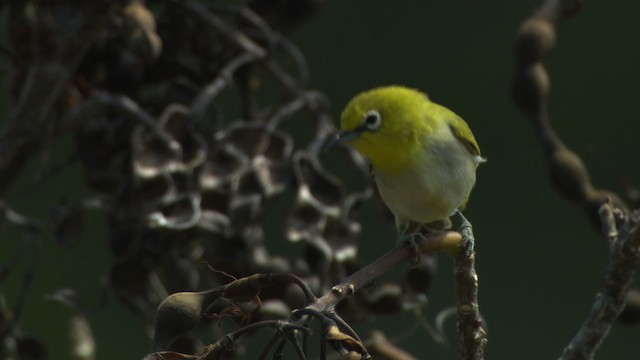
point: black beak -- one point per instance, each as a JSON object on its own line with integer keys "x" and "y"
{"x": 341, "y": 137}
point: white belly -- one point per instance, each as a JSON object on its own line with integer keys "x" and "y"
{"x": 435, "y": 187}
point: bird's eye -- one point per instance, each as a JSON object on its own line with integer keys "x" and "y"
{"x": 372, "y": 120}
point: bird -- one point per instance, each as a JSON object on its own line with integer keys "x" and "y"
{"x": 423, "y": 156}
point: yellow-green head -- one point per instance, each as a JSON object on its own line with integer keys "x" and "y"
{"x": 423, "y": 155}
{"x": 391, "y": 125}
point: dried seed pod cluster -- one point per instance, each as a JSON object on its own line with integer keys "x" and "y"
{"x": 146, "y": 88}
{"x": 186, "y": 186}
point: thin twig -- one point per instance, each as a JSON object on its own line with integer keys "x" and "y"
{"x": 18, "y": 220}
{"x": 287, "y": 110}
{"x": 624, "y": 258}
{"x": 206, "y": 96}
{"x": 297, "y": 346}
{"x": 232, "y": 35}
{"x": 216, "y": 350}
{"x": 261, "y": 25}
{"x": 267, "y": 348}
{"x": 306, "y": 290}
{"x": 102, "y": 102}
{"x": 27, "y": 281}
{"x": 354, "y": 282}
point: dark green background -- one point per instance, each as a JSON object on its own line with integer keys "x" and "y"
{"x": 539, "y": 260}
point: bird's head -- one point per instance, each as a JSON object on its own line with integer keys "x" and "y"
{"x": 384, "y": 124}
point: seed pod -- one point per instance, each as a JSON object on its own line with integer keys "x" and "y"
{"x": 178, "y": 314}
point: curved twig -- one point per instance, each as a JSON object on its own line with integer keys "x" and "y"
{"x": 568, "y": 173}
{"x": 529, "y": 89}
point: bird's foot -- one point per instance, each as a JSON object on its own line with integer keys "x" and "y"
{"x": 466, "y": 230}
{"x": 410, "y": 240}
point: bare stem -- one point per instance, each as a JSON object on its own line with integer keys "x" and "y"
{"x": 364, "y": 276}
{"x": 624, "y": 258}
{"x": 473, "y": 336}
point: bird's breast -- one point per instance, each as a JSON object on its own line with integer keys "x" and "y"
{"x": 434, "y": 185}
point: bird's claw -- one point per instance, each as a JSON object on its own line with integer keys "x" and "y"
{"x": 466, "y": 230}
{"x": 416, "y": 255}
{"x": 468, "y": 247}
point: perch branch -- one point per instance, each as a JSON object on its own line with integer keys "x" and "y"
{"x": 354, "y": 282}
{"x": 473, "y": 336}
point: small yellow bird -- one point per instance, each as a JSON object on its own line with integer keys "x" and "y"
{"x": 423, "y": 156}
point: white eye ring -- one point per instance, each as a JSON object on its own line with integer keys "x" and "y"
{"x": 372, "y": 120}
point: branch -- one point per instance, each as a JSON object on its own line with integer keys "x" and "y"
{"x": 326, "y": 304}
{"x": 624, "y": 258}
{"x": 473, "y": 336}
{"x": 354, "y": 282}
